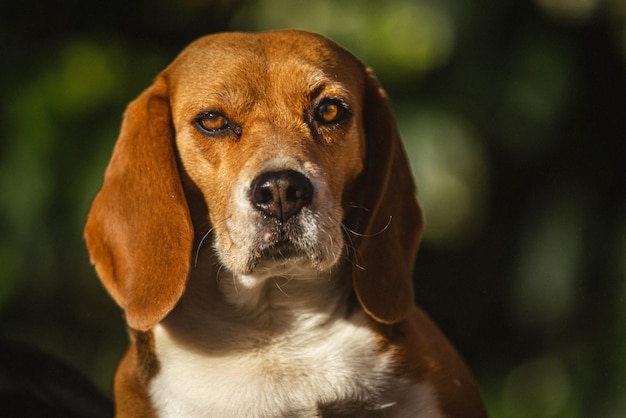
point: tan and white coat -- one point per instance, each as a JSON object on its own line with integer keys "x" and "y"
{"x": 258, "y": 226}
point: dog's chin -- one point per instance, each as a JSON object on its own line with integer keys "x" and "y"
{"x": 285, "y": 258}
{"x": 278, "y": 259}
{"x": 280, "y": 250}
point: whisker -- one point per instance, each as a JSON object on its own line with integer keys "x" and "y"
{"x": 235, "y": 285}
{"x": 195, "y": 264}
{"x": 204, "y": 237}
{"x": 234, "y": 280}
{"x": 351, "y": 249}
{"x": 217, "y": 274}
{"x": 349, "y": 234}
{"x": 280, "y": 288}
{"x": 358, "y": 234}
{"x": 357, "y": 205}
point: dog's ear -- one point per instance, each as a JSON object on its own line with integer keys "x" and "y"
{"x": 139, "y": 232}
{"x": 388, "y": 218}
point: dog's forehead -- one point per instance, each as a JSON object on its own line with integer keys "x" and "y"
{"x": 295, "y": 58}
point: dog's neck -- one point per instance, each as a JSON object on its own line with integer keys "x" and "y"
{"x": 221, "y": 307}
{"x": 293, "y": 292}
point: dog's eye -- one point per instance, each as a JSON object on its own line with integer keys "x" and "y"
{"x": 211, "y": 122}
{"x": 330, "y": 111}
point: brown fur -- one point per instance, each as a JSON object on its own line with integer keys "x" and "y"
{"x": 158, "y": 189}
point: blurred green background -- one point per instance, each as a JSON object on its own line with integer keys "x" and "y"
{"x": 514, "y": 116}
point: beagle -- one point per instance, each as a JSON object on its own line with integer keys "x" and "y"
{"x": 258, "y": 226}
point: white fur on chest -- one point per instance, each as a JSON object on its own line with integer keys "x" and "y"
{"x": 216, "y": 365}
{"x": 288, "y": 378}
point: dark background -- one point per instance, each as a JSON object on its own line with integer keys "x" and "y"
{"x": 514, "y": 116}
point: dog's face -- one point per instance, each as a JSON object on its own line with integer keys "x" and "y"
{"x": 275, "y": 143}
{"x": 275, "y": 153}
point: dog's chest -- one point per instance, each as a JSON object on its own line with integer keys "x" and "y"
{"x": 294, "y": 375}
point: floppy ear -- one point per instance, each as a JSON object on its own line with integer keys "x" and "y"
{"x": 389, "y": 219}
{"x": 139, "y": 232}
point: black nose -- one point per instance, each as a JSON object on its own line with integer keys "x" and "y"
{"x": 281, "y": 194}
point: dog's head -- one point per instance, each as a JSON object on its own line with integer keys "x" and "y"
{"x": 282, "y": 149}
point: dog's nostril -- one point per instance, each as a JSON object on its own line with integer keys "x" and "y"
{"x": 281, "y": 194}
{"x": 264, "y": 194}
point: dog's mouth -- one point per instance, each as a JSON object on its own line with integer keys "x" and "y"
{"x": 278, "y": 258}
{"x": 279, "y": 245}
{"x": 279, "y": 251}
{"x": 272, "y": 247}
{"x": 279, "y": 242}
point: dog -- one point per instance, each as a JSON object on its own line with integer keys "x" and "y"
{"x": 258, "y": 225}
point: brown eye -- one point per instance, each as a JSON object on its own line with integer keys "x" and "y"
{"x": 211, "y": 122}
{"x": 215, "y": 124}
{"x": 330, "y": 111}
